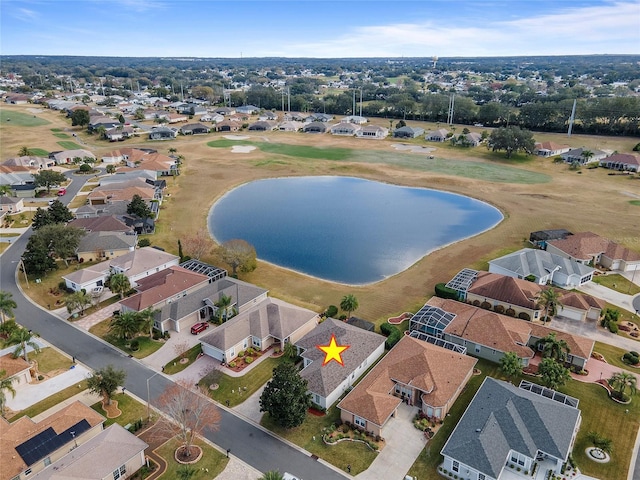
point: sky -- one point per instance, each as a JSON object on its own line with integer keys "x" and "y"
{"x": 319, "y": 28}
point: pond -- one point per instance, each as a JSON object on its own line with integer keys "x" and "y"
{"x": 346, "y": 229}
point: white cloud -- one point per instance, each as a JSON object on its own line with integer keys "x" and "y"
{"x": 25, "y": 14}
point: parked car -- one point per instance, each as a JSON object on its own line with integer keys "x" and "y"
{"x": 62, "y": 191}
{"x": 199, "y": 327}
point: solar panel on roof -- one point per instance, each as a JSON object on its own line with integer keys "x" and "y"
{"x": 48, "y": 441}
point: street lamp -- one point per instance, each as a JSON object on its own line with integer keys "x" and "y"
{"x": 149, "y": 394}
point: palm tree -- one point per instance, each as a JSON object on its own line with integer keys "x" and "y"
{"x": 5, "y": 190}
{"x": 349, "y": 304}
{"x": 7, "y": 304}
{"x": 126, "y": 325}
{"x": 554, "y": 348}
{"x": 6, "y": 385}
{"x": 24, "y": 152}
{"x": 23, "y": 338}
{"x": 290, "y": 350}
{"x": 225, "y": 310}
{"x": 620, "y": 381}
{"x": 147, "y": 317}
{"x": 272, "y": 475}
{"x": 549, "y": 299}
{"x": 119, "y": 283}
{"x": 587, "y": 155}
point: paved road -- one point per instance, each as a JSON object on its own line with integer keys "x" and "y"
{"x": 249, "y": 443}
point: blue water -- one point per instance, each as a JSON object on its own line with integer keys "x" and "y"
{"x": 344, "y": 229}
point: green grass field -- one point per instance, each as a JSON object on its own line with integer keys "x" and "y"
{"x": 39, "y": 152}
{"x": 618, "y": 283}
{"x": 131, "y": 409}
{"x": 635, "y": 202}
{"x": 68, "y": 145}
{"x": 209, "y": 466}
{"x": 20, "y": 119}
{"x": 50, "y": 401}
{"x": 298, "y": 151}
{"x": 174, "y": 366}
{"x": 61, "y": 135}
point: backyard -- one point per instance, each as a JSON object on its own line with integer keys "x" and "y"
{"x": 146, "y": 345}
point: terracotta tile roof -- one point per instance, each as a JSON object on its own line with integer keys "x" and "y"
{"x": 506, "y": 289}
{"x": 14, "y": 434}
{"x": 578, "y": 346}
{"x": 434, "y": 370}
{"x": 586, "y": 245}
{"x": 582, "y": 301}
{"x": 11, "y": 365}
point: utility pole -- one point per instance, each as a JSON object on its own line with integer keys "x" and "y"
{"x": 353, "y": 110}
{"x": 452, "y": 101}
{"x": 360, "y": 101}
{"x": 289, "y": 99}
{"x": 573, "y": 117}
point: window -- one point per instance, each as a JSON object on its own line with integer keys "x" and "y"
{"x": 514, "y": 458}
{"x": 47, "y": 461}
{"x": 455, "y": 466}
{"x": 119, "y": 472}
{"x": 27, "y": 471}
{"x": 478, "y": 348}
{"x": 361, "y": 422}
{"x": 481, "y": 476}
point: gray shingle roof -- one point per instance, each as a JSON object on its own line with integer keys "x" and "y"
{"x": 106, "y": 240}
{"x": 324, "y": 380}
{"x": 528, "y": 261}
{"x": 502, "y": 417}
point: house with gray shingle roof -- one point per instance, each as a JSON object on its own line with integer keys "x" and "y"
{"x": 506, "y": 428}
{"x": 270, "y": 321}
{"x": 105, "y": 244}
{"x": 577, "y": 155}
{"x": 408, "y": 132}
{"x": 327, "y": 383}
{"x": 546, "y": 267}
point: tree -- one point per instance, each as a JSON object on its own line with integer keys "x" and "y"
{"x": 349, "y": 304}
{"x": 549, "y": 299}
{"x": 105, "y": 382}
{"x": 22, "y": 338}
{"x": 552, "y": 373}
{"x": 119, "y": 283}
{"x": 85, "y": 168}
{"x": 621, "y": 381}
{"x": 47, "y": 179}
{"x": 139, "y": 207}
{"x": 147, "y": 318}
{"x": 5, "y": 190}
{"x": 198, "y": 245}
{"x": 290, "y": 350}
{"x": 41, "y": 218}
{"x": 24, "y": 151}
{"x": 80, "y": 117}
{"x": 126, "y": 325}
{"x": 285, "y": 396}
{"x": 272, "y": 475}
{"x": 6, "y": 385}
{"x": 554, "y": 348}
{"x": 187, "y": 412}
{"x": 111, "y": 169}
{"x": 7, "y": 304}
{"x": 587, "y": 155}
{"x": 78, "y": 301}
{"x": 225, "y": 309}
{"x": 37, "y": 258}
{"x": 59, "y": 239}
{"x": 511, "y": 139}
{"x": 239, "y": 255}
{"x": 511, "y": 365}
{"x": 601, "y": 443}
{"x": 59, "y": 212}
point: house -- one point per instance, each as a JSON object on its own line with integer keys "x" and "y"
{"x": 361, "y": 323}
{"x": 225, "y": 111}
{"x": 541, "y": 237}
{"x": 122, "y": 191}
{"x": 17, "y": 98}
{"x": 148, "y": 176}
{"x": 163, "y": 165}
{"x": 472, "y": 139}
{"x": 345, "y": 129}
{"x": 590, "y": 249}
{"x": 112, "y": 454}
{"x": 213, "y": 118}
{"x": 15, "y": 368}
{"x": 408, "y": 132}
{"x": 163, "y": 133}
{"x": 297, "y": 117}
{"x": 319, "y": 117}
{"x": 625, "y": 162}
{"x": 440, "y": 135}
{"x": 118, "y": 134}
{"x": 262, "y": 126}
{"x": 194, "y": 129}
{"x": 490, "y": 335}
{"x": 271, "y": 321}
{"x": 163, "y": 287}
{"x": 248, "y": 109}
{"x": 372, "y": 131}
{"x": 415, "y": 372}
{"x": 542, "y": 267}
{"x": 69, "y": 156}
{"x": 98, "y": 121}
{"x": 177, "y": 117}
{"x": 30, "y": 161}
{"x": 355, "y": 119}
{"x": 327, "y": 383}
{"x": 505, "y": 428}
{"x": 315, "y": 127}
{"x": 107, "y": 223}
{"x": 28, "y": 447}
{"x": 290, "y": 126}
{"x": 583, "y": 156}
{"x": 191, "y": 109}
{"x": 105, "y": 245}
{"x": 550, "y": 149}
{"x": 137, "y": 264}
{"x": 92, "y": 211}
{"x": 268, "y": 116}
{"x": 519, "y": 298}
{"x": 229, "y": 126}
{"x": 11, "y": 204}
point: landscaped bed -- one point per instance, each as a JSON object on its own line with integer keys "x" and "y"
{"x": 146, "y": 345}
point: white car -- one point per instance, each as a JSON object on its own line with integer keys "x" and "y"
{"x": 288, "y": 476}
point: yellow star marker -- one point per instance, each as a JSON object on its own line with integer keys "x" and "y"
{"x": 333, "y": 351}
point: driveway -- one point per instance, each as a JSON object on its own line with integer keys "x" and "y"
{"x": 590, "y": 330}
{"x": 615, "y": 298}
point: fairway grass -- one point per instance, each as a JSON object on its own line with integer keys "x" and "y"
{"x": 61, "y": 135}
{"x": 635, "y": 202}
{"x": 68, "y": 145}
{"x": 19, "y": 119}
{"x": 38, "y": 152}
{"x": 298, "y": 151}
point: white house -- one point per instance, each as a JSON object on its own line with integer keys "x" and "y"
{"x": 373, "y": 131}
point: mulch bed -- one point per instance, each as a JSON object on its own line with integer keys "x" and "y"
{"x": 317, "y": 413}
{"x": 112, "y": 410}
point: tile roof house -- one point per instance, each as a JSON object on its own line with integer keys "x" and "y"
{"x": 15, "y": 368}
{"x": 121, "y": 192}
{"x": 68, "y": 156}
{"x": 11, "y": 204}
{"x": 105, "y": 245}
{"x": 545, "y": 266}
{"x": 577, "y": 155}
{"x": 550, "y": 149}
{"x": 290, "y": 126}
{"x": 506, "y": 427}
{"x": 489, "y": 335}
{"x": 229, "y": 126}
{"x": 622, "y": 161}
{"x": 416, "y": 372}
{"x": 589, "y": 248}
{"x": 408, "y": 132}
{"x": 27, "y": 447}
{"x": 262, "y": 126}
{"x": 271, "y": 321}
{"x": 30, "y": 161}
{"x": 327, "y": 383}
{"x": 113, "y": 453}
{"x": 437, "y": 135}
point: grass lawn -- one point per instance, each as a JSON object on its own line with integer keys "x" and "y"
{"x": 19, "y": 119}
{"x": 635, "y": 202}
{"x": 210, "y": 465}
{"x": 236, "y": 390}
{"x": 22, "y": 219}
{"x": 51, "y": 401}
{"x": 175, "y": 366}
{"x": 49, "y": 360}
{"x": 131, "y": 409}
{"x": 147, "y": 345}
{"x": 618, "y": 283}
{"x": 39, "y": 152}
{"x": 298, "y": 151}
{"x": 356, "y": 454}
{"x": 613, "y": 355}
{"x": 61, "y": 135}
{"x": 78, "y": 201}
{"x": 4, "y": 246}
{"x": 69, "y": 145}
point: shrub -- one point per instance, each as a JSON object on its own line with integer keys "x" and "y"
{"x": 233, "y": 364}
{"x": 343, "y": 317}
{"x": 248, "y": 360}
{"x": 85, "y": 168}
{"x": 485, "y": 305}
{"x": 331, "y": 311}
{"x": 530, "y": 278}
{"x": 443, "y": 291}
{"x": 241, "y": 353}
{"x": 62, "y": 285}
{"x": 613, "y": 327}
{"x": 634, "y": 353}
{"x": 498, "y": 309}
{"x": 387, "y": 328}
{"x": 144, "y": 242}
{"x": 630, "y": 358}
{"x": 134, "y": 345}
{"x": 510, "y": 312}
{"x": 476, "y": 303}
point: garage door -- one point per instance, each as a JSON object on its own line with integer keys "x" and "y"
{"x": 571, "y": 313}
{"x": 212, "y": 352}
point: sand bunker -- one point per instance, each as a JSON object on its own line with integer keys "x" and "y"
{"x": 34, "y": 110}
{"x": 242, "y": 148}
{"x": 412, "y": 148}
{"x": 236, "y": 137}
